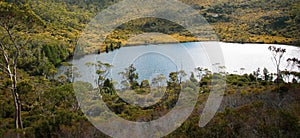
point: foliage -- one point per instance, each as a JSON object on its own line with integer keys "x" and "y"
{"x": 253, "y": 105}
{"x": 130, "y": 77}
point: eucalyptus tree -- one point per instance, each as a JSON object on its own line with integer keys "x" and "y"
{"x": 130, "y": 77}
{"x": 202, "y": 72}
{"x": 294, "y": 62}
{"x": 159, "y": 80}
{"x": 17, "y": 24}
{"x": 277, "y": 55}
{"x": 181, "y": 75}
{"x": 102, "y": 70}
{"x": 174, "y": 77}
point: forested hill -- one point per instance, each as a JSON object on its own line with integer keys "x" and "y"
{"x": 37, "y": 36}
{"x": 268, "y": 21}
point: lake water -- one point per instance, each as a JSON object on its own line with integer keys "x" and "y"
{"x": 153, "y": 60}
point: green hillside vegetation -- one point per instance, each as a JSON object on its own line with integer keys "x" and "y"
{"x": 37, "y": 36}
{"x": 241, "y": 21}
{"x": 253, "y": 105}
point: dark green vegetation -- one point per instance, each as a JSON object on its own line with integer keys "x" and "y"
{"x": 37, "y": 36}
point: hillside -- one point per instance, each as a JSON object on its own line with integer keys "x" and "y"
{"x": 38, "y": 36}
{"x": 242, "y": 21}
{"x": 271, "y": 21}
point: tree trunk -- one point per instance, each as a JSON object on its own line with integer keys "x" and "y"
{"x": 16, "y": 97}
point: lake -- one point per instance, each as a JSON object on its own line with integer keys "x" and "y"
{"x": 153, "y": 60}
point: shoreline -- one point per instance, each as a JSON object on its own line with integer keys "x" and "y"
{"x": 71, "y": 57}
{"x": 233, "y": 42}
{"x": 201, "y": 41}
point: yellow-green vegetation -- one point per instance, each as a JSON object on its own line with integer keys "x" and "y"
{"x": 240, "y": 21}
{"x": 37, "y": 36}
{"x": 253, "y": 21}
{"x": 253, "y": 105}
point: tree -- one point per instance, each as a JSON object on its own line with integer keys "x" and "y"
{"x": 266, "y": 74}
{"x": 271, "y": 77}
{"x": 294, "y": 62}
{"x": 145, "y": 84}
{"x": 192, "y": 78}
{"x": 277, "y": 54}
{"x": 256, "y": 74}
{"x": 130, "y": 76}
{"x": 106, "y": 49}
{"x": 102, "y": 70}
{"x": 173, "y": 77}
{"x": 108, "y": 86}
{"x": 119, "y": 45}
{"x": 16, "y": 24}
{"x": 286, "y": 75}
{"x": 159, "y": 80}
{"x": 70, "y": 72}
{"x": 201, "y": 72}
{"x": 111, "y": 47}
